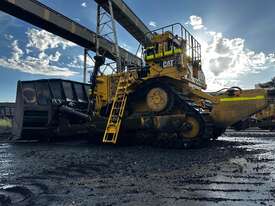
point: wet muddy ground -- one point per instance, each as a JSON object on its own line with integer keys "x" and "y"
{"x": 238, "y": 169}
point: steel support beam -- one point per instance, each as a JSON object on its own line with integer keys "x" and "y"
{"x": 127, "y": 18}
{"x": 36, "y": 13}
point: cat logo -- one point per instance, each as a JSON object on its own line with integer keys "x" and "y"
{"x": 169, "y": 63}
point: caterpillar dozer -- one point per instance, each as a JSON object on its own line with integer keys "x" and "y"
{"x": 162, "y": 100}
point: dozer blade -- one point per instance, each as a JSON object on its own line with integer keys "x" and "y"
{"x": 38, "y": 104}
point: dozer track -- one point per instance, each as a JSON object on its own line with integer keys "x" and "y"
{"x": 174, "y": 139}
{"x": 193, "y": 109}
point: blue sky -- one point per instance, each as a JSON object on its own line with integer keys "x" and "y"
{"x": 237, "y": 38}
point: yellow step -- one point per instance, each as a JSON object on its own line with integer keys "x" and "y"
{"x": 108, "y": 140}
{"x": 111, "y": 130}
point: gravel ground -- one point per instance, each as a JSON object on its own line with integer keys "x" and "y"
{"x": 5, "y": 134}
{"x": 238, "y": 169}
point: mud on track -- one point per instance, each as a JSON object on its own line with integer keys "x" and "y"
{"x": 236, "y": 170}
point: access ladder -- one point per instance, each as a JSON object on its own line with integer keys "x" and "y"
{"x": 118, "y": 108}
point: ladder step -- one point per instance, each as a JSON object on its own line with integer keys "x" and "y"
{"x": 120, "y": 94}
{"x": 119, "y": 100}
{"x": 124, "y": 83}
{"x": 121, "y": 89}
{"x": 114, "y": 116}
{"x": 115, "y": 111}
{"x": 108, "y": 138}
{"x": 114, "y": 119}
{"x": 111, "y": 130}
{"x": 108, "y": 141}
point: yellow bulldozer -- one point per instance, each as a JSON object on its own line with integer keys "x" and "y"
{"x": 166, "y": 95}
{"x": 160, "y": 100}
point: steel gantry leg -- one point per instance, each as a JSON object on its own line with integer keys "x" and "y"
{"x": 106, "y": 27}
{"x": 85, "y": 66}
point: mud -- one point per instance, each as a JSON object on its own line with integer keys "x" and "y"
{"x": 238, "y": 169}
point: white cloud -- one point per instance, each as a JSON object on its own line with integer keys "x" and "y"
{"x": 17, "y": 53}
{"x": 40, "y": 62}
{"x": 52, "y": 57}
{"x": 227, "y": 60}
{"x": 55, "y": 57}
{"x": 196, "y": 22}
{"x": 42, "y": 40}
{"x": 78, "y": 62}
{"x": 126, "y": 47}
{"x": 84, "y": 4}
{"x": 152, "y": 24}
{"x": 8, "y": 36}
{"x": 229, "y": 57}
{"x": 77, "y": 19}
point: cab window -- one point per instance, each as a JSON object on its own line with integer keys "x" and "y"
{"x": 150, "y": 51}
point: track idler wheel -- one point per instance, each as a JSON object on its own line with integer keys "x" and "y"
{"x": 192, "y": 132}
{"x": 190, "y": 135}
{"x": 194, "y": 128}
{"x": 159, "y": 99}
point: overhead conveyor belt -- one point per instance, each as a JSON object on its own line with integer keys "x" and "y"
{"x": 38, "y": 14}
{"x": 127, "y": 18}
